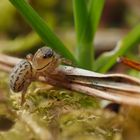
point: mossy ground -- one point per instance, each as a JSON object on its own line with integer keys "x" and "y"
{"x": 59, "y": 114}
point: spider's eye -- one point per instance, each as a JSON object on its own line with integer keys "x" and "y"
{"x": 48, "y": 54}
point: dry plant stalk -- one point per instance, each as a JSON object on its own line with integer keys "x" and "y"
{"x": 119, "y": 88}
{"x": 130, "y": 63}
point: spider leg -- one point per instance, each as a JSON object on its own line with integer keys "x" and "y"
{"x": 28, "y": 82}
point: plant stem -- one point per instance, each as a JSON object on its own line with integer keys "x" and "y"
{"x": 86, "y": 30}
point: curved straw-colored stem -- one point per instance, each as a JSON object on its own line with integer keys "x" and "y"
{"x": 84, "y": 81}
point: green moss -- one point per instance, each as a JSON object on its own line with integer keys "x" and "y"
{"x": 63, "y": 115}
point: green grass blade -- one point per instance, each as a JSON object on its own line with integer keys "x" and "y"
{"x": 38, "y": 24}
{"x": 85, "y": 46}
{"x": 80, "y": 17}
{"x": 85, "y": 55}
{"x": 108, "y": 59}
{"x": 95, "y": 11}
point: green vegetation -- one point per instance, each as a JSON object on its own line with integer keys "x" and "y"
{"x": 86, "y": 16}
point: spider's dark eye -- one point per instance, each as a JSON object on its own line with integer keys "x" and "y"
{"x": 48, "y": 54}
